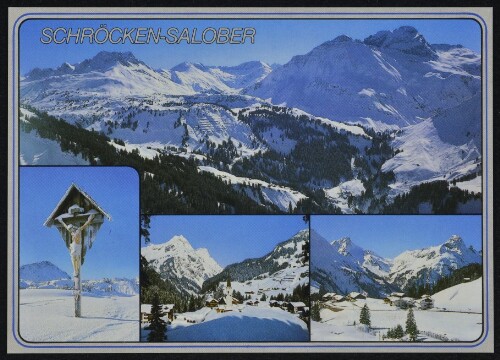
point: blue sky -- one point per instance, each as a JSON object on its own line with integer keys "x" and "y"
{"x": 228, "y": 238}
{"x": 115, "y": 252}
{"x": 390, "y": 235}
{"x": 276, "y": 40}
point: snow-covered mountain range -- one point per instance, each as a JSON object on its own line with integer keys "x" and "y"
{"x": 45, "y": 275}
{"x": 261, "y": 129}
{"x": 392, "y": 77}
{"x": 343, "y": 266}
{"x": 194, "y": 271}
{"x": 177, "y": 261}
{"x": 282, "y": 269}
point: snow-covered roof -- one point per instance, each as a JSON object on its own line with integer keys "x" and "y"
{"x": 338, "y": 297}
{"x": 330, "y": 294}
{"x": 355, "y": 294}
{"x": 52, "y": 215}
{"x": 146, "y": 308}
{"x": 297, "y": 304}
{"x": 398, "y": 294}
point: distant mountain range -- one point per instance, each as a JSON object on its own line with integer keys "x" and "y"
{"x": 393, "y": 110}
{"x": 343, "y": 266}
{"x": 45, "y": 275}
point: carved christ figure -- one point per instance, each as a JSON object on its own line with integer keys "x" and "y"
{"x": 75, "y": 248}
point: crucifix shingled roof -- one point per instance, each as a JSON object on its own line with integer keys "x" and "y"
{"x": 70, "y": 198}
{"x": 75, "y": 207}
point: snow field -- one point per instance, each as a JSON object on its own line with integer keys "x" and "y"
{"x": 247, "y": 323}
{"x": 46, "y": 315}
{"x": 281, "y": 196}
{"x": 457, "y": 315}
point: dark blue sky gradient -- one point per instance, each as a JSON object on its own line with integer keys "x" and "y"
{"x": 276, "y": 41}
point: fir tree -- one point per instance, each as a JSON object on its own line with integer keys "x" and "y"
{"x": 411, "y": 325}
{"x": 157, "y": 325}
{"x": 364, "y": 316}
{"x": 399, "y": 332}
{"x": 395, "y": 332}
{"x": 263, "y": 297}
{"x": 315, "y": 314}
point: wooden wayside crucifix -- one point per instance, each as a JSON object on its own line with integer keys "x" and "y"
{"x": 78, "y": 218}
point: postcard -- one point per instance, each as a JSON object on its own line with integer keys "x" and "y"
{"x": 271, "y": 179}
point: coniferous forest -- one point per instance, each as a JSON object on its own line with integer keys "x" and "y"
{"x": 321, "y": 157}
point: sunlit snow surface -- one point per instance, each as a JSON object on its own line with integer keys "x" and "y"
{"x": 46, "y": 315}
{"x": 457, "y": 315}
{"x": 243, "y": 323}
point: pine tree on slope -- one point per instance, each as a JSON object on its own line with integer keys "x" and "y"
{"x": 157, "y": 325}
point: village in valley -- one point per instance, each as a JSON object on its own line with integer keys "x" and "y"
{"x": 288, "y": 320}
{"x": 433, "y": 293}
{"x": 257, "y": 299}
{"x": 453, "y": 314}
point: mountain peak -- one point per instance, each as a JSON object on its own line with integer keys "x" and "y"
{"x": 345, "y": 246}
{"x": 42, "y": 271}
{"x": 405, "y": 39}
{"x": 179, "y": 240}
{"x": 342, "y": 38}
{"x": 344, "y": 241}
{"x": 104, "y": 60}
{"x": 455, "y": 241}
{"x": 185, "y": 66}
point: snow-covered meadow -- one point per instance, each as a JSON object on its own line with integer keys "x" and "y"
{"x": 46, "y": 315}
{"x": 243, "y": 323}
{"x": 456, "y": 316}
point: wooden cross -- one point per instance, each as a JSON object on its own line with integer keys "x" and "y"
{"x": 78, "y": 218}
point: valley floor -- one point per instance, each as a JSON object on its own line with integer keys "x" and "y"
{"x": 46, "y": 315}
{"x": 457, "y": 316}
{"x": 243, "y": 323}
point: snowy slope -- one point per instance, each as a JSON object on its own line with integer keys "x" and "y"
{"x": 446, "y": 146}
{"x": 248, "y": 324}
{"x": 45, "y": 275}
{"x": 429, "y": 264}
{"x": 281, "y": 196}
{"x": 41, "y": 271}
{"x": 342, "y": 266}
{"x": 464, "y": 297}
{"x": 177, "y": 261}
{"x": 366, "y": 258}
{"x": 392, "y": 78}
{"x": 341, "y": 321}
{"x": 261, "y": 276}
{"x": 122, "y": 74}
{"x": 35, "y": 150}
{"x": 47, "y": 315}
{"x": 390, "y": 81}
